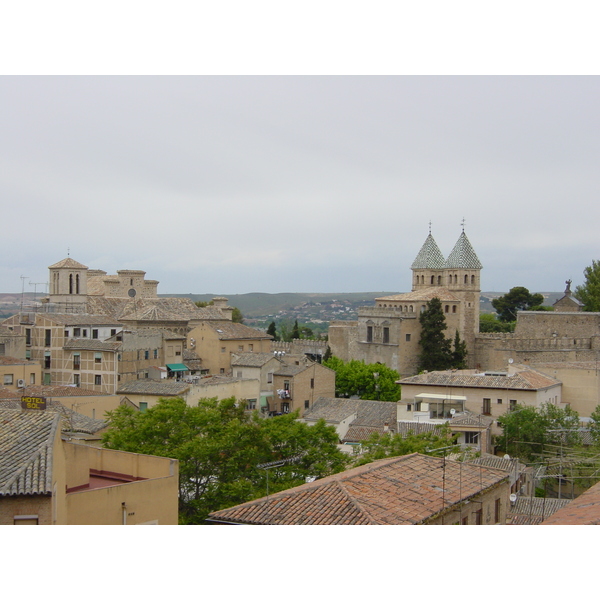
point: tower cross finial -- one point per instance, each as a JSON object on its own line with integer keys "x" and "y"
{"x": 429, "y": 227}
{"x": 462, "y": 223}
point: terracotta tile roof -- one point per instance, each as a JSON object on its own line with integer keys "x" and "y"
{"x": 58, "y": 391}
{"x": 153, "y": 387}
{"x": 9, "y": 360}
{"x": 67, "y": 263}
{"x": 26, "y": 442}
{"x": 583, "y": 510}
{"x": 524, "y": 380}
{"x": 369, "y": 413}
{"x": 251, "y": 359}
{"x": 533, "y": 511}
{"x": 405, "y": 490}
{"x": 8, "y": 393}
{"x": 423, "y": 295}
{"x": 71, "y": 420}
{"x": 87, "y": 344}
{"x": 238, "y": 331}
{"x": 69, "y": 319}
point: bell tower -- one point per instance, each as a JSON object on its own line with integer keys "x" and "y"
{"x": 68, "y": 282}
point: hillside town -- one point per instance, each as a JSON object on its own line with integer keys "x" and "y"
{"x": 96, "y": 371}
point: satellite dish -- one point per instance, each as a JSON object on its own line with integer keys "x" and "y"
{"x": 510, "y": 361}
{"x": 131, "y": 293}
{"x": 513, "y": 498}
{"x": 452, "y": 411}
{"x": 506, "y": 457}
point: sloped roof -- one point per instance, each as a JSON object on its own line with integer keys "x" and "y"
{"x": 533, "y": 511}
{"x": 251, "y": 359}
{"x": 238, "y": 331}
{"x": 463, "y": 256}
{"x": 429, "y": 256}
{"x": 583, "y": 510}
{"x": 72, "y": 320}
{"x": 26, "y": 442}
{"x": 524, "y": 380}
{"x": 67, "y": 263}
{"x": 405, "y": 490}
{"x": 423, "y": 294}
{"x": 71, "y": 420}
{"x": 89, "y": 344}
{"x": 152, "y": 387}
{"x": 371, "y": 415}
{"x": 469, "y": 419}
{"x": 58, "y": 391}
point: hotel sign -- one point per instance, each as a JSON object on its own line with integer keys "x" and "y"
{"x": 33, "y": 403}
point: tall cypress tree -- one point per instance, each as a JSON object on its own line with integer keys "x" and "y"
{"x": 436, "y": 352}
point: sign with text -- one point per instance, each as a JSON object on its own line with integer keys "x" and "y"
{"x": 33, "y": 403}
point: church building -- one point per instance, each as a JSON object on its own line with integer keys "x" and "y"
{"x": 389, "y": 332}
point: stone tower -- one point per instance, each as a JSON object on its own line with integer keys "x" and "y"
{"x": 428, "y": 267}
{"x": 68, "y": 283}
{"x": 462, "y": 271}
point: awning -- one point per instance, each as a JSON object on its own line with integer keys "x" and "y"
{"x": 177, "y": 367}
{"x": 426, "y": 396}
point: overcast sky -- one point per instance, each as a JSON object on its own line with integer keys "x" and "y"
{"x": 239, "y": 184}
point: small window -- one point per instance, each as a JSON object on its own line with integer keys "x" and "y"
{"x": 512, "y": 405}
{"x": 47, "y": 337}
{"x": 143, "y": 407}
{"x": 251, "y": 404}
{"x": 94, "y": 334}
{"x": 98, "y": 357}
{"x": 77, "y": 332}
{"x": 97, "y": 379}
{"x": 386, "y": 335}
{"x": 408, "y": 337}
{"x": 113, "y": 332}
{"x": 454, "y": 309}
{"x": 222, "y": 349}
{"x": 66, "y": 333}
{"x": 76, "y": 362}
{"x": 32, "y": 379}
{"x": 84, "y": 333}
{"x": 28, "y": 337}
{"x": 77, "y": 379}
{"x": 47, "y": 378}
{"x": 306, "y": 404}
{"x": 312, "y": 383}
{"x": 369, "y": 333}
{"x": 146, "y": 354}
{"x": 155, "y": 353}
{"x": 471, "y": 437}
{"x": 499, "y": 401}
{"x": 269, "y": 377}
{"x": 240, "y": 348}
{"x": 221, "y": 371}
{"x": 250, "y": 347}
{"x": 8, "y": 379}
{"x": 486, "y": 408}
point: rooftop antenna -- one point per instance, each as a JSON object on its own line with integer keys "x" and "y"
{"x": 23, "y": 278}
{"x": 462, "y": 224}
{"x": 35, "y": 288}
{"x": 430, "y": 227}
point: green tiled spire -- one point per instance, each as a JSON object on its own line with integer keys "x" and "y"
{"x": 429, "y": 256}
{"x": 463, "y": 256}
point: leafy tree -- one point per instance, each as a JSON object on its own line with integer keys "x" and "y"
{"x": 386, "y": 445}
{"x": 374, "y": 381}
{"x": 220, "y": 447}
{"x": 436, "y": 353}
{"x": 272, "y": 330}
{"x": 589, "y": 292}
{"x": 489, "y": 323}
{"x": 595, "y": 425}
{"x": 306, "y": 333}
{"x": 527, "y": 431}
{"x": 518, "y": 298}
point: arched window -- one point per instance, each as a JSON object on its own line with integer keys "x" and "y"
{"x": 70, "y": 283}
{"x": 432, "y": 280}
{"x": 446, "y": 308}
{"x": 411, "y": 308}
{"x": 472, "y": 279}
{"x": 77, "y": 283}
{"x": 456, "y": 279}
{"x": 466, "y": 279}
{"x": 439, "y": 280}
{"x": 454, "y": 308}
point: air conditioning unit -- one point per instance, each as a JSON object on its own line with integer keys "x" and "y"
{"x": 21, "y": 383}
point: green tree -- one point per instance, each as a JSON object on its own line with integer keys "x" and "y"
{"x": 518, "y": 298}
{"x": 589, "y": 292}
{"x": 382, "y": 445}
{"x": 220, "y": 446}
{"x": 459, "y": 353}
{"x": 436, "y": 353}
{"x": 528, "y": 431}
{"x": 489, "y": 323}
{"x": 295, "y": 331}
{"x": 272, "y": 330}
{"x": 374, "y": 381}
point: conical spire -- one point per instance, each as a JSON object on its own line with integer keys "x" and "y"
{"x": 429, "y": 256}
{"x": 463, "y": 256}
